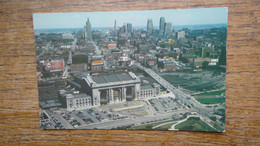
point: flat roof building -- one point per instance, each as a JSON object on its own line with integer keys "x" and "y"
{"x": 148, "y": 90}
{"x": 111, "y": 88}
{"x": 73, "y": 100}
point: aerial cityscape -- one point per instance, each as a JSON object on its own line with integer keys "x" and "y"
{"x": 151, "y": 70}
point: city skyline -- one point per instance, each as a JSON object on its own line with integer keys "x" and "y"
{"x": 136, "y": 18}
{"x": 117, "y": 77}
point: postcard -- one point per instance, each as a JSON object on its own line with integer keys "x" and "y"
{"x": 149, "y": 70}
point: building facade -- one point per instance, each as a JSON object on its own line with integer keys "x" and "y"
{"x": 161, "y": 26}
{"x": 111, "y": 88}
{"x": 181, "y": 34}
{"x": 115, "y": 27}
{"x": 168, "y": 29}
{"x": 129, "y": 27}
{"x": 75, "y": 100}
{"x": 149, "y": 26}
{"x": 87, "y": 31}
{"x": 75, "y": 68}
{"x": 148, "y": 91}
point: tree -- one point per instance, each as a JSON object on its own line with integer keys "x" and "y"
{"x": 214, "y": 118}
{"x": 222, "y": 58}
{"x": 205, "y": 64}
{"x": 183, "y": 59}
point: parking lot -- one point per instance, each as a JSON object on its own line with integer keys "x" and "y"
{"x": 165, "y": 104}
{"x": 46, "y": 122}
{"x": 153, "y": 110}
{"x": 62, "y": 119}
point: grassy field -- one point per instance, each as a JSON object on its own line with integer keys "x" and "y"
{"x": 204, "y": 81}
{"x": 211, "y": 100}
{"x": 142, "y": 113}
{"x": 164, "y": 127}
{"x": 219, "y": 92}
{"x": 149, "y": 126}
{"x": 194, "y": 124}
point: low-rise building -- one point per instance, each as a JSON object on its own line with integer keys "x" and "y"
{"x": 75, "y": 68}
{"x": 97, "y": 63}
{"x": 73, "y": 100}
{"x": 169, "y": 66}
{"x": 150, "y": 90}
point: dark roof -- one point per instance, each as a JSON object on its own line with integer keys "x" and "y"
{"x": 112, "y": 78}
{"x": 78, "y": 59}
{"x": 146, "y": 87}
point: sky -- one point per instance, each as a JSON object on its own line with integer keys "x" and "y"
{"x": 137, "y": 18}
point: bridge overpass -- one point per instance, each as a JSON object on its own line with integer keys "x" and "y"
{"x": 182, "y": 97}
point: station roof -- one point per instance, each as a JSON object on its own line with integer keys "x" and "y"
{"x": 112, "y": 78}
{"x": 146, "y": 87}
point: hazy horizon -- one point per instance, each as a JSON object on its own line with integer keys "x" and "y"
{"x": 201, "y": 16}
{"x": 155, "y": 27}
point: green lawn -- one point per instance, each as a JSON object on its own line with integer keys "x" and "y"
{"x": 211, "y": 100}
{"x": 219, "y": 92}
{"x": 194, "y": 124}
{"x": 165, "y": 127}
{"x": 149, "y": 126}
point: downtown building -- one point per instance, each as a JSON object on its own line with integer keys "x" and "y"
{"x": 168, "y": 29}
{"x": 87, "y": 31}
{"x": 162, "y": 26}
{"x": 79, "y": 63}
{"x": 115, "y": 27}
{"x": 149, "y": 26}
{"x": 129, "y": 28}
{"x": 111, "y": 88}
{"x": 93, "y": 91}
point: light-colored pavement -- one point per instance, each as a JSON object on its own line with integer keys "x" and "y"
{"x": 172, "y": 122}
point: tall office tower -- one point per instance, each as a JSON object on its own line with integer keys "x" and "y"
{"x": 168, "y": 29}
{"x": 124, "y": 27}
{"x": 87, "y": 31}
{"x": 129, "y": 27}
{"x": 161, "y": 26}
{"x": 115, "y": 27}
{"x": 149, "y": 26}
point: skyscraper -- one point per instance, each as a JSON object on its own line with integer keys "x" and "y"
{"x": 87, "y": 30}
{"x": 129, "y": 27}
{"x": 124, "y": 27}
{"x": 168, "y": 29}
{"x": 149, "y": 26}
{"x": 115, "y": 27}
{"x": 161, "y": 26}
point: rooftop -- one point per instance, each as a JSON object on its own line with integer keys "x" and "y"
{"x": 112, "y": 78}
{"x": 68, "y": 93}
{"x": 115, "y": 79}
{"x": 146, "y": 87}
